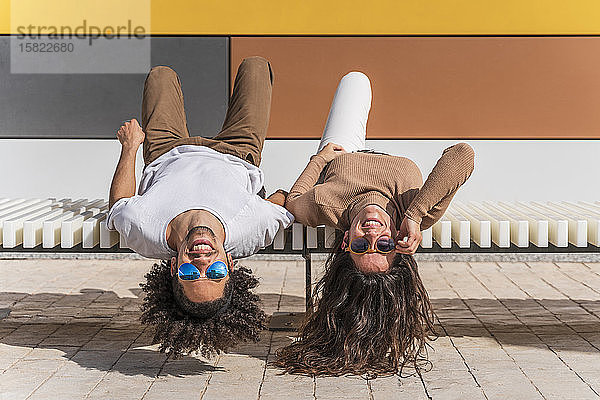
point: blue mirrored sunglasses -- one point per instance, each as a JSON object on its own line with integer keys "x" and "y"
{"x": 216, "y": 270}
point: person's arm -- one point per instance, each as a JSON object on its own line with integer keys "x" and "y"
{"x": 427, "y": 207}
{"x": 450, "y": 172}
{"x": 308, "y": 178}
{"x": 299, "y": 201}
{"x": 130, "y": 136}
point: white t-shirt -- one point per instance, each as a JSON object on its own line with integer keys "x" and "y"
{"x": 193, "y": 177}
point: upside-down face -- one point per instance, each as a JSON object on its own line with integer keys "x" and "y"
{"x": 372, "y": 223}
{"x": 201, "y": 248}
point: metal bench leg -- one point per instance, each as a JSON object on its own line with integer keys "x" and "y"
{"x": 308, "y": 279}
{"x": 290, "y": 321}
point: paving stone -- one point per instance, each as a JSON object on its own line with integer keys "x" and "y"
{"x": 55, "y": 388}
{"x": 494, "y": 368}
{"x": 241, "y": 375}
{"x": 449, "y": 377}
{"x": 84, "y": 361}
{"x": 277, "y": 385}
{"x": 507, "y": 330}
{"x": 24, "y": 377}
{"x": 172, "y": 387}
{"x": 52, "y": 353}
{"x": 344, "y": 387}
{"x": 564, "y": 283}
{"x": 530, "y": 283}
{"x": 11, "y": 354}
{"x": 116, "y": 385}
{"x": 394, "y": 387}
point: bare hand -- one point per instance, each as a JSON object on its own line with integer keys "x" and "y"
{"x": 130, "y": 135}
{"x": 331, "y": 151}
{"x": 410, "y": 230}
{"x": 278, "y": 197}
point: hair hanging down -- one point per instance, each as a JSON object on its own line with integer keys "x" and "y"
{"x": 363, "y": 323}
{"x": 182, "y": 326}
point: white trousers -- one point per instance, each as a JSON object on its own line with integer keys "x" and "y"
{"x": 347, "y": 121}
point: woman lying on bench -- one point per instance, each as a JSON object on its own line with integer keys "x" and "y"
{"x": 372, "y": 314}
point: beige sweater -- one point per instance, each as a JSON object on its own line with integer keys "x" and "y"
{"x": 355, "y": 180}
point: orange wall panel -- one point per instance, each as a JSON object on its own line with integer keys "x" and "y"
{"x": 437, "y": 87}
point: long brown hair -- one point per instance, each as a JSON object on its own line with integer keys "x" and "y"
{"x": 363, "y": 323}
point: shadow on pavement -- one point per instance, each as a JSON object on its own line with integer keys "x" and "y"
{"x": 98, "y": 329}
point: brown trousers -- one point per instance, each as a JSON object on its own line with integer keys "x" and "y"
{"x": 245, "y": 126}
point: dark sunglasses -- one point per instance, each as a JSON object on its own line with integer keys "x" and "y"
{"x": 360, "y": 245}
{"x": 216, "y": 270}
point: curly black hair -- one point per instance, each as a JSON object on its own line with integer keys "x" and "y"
{"x": 209, "y": 328}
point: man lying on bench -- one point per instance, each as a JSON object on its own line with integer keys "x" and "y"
{"x": 198, "y": 207}
{"x": 372, "y": 313}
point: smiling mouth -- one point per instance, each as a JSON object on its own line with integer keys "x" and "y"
{"x": 201, "y": 247}
{"x": 372, "y": 223}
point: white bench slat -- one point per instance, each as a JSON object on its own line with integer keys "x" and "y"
{"x": 122, "y": 243}
{"x": 19, "y": 210}
{"x": 297, "y": 242}
{"x": 107, "y": 238}
{"x": 22, "y": 208}
{"x": 28, "y": 222}
{"x": 591, "y": 206}
{"x": 72, "y": 230}
{"x": 11, "y": 203}
{"x": 311, "y": 237}
{"x": 593, "y": 218}
{"x": 500, "y": 225}
{"x": 538, "y": 227}
{"x": 12, "y": 228}
{"x": 329, "y": 237}
{"x": 91, "y": 231}
{"x": 460, "y": 228}
{"x": 427, "y": 242}
{"x": 442, "y": 232}
{"x": 558, "y": 227}
{"x": 51, "y": 229}
{"x": 33, "y": 228}
{"x": 279, "y": 240}
{"x": 519, "y": 227}
{"x": 577, "y": 225}
{"x": 481, "y": 229}
{"x": 96, "y": 206}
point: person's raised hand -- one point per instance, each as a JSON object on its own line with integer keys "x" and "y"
{"x": 331, "y": 151}
{"x": 131, "y": 135}
{"x": 410, "y": 230}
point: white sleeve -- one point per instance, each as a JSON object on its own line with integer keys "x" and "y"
{"x": 114, "y": 214}
{"x": 277, "y": 218}
{"x": 272, "y": 218}
{"x": 117, "y": 219}
{"x": 256, "y": 227}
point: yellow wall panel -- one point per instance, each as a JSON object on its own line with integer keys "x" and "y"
{"x": 389, "y": 17}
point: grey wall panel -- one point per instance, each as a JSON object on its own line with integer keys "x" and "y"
{"x": 94, "y": 105}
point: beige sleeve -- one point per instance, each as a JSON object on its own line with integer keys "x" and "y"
{"x": 450, "y": 172}
{"x": 301, "y": 198}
